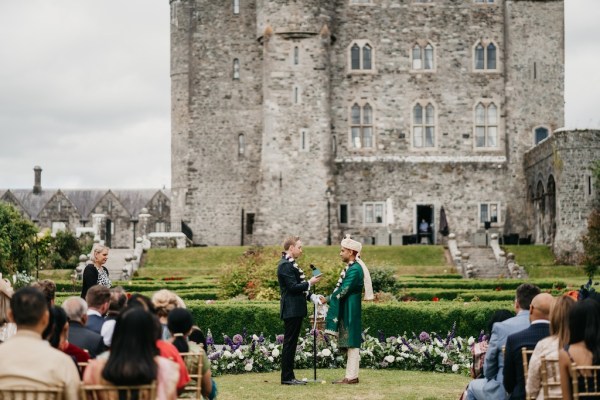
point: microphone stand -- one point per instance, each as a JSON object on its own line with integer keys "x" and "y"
{"x": 315, "y": 341}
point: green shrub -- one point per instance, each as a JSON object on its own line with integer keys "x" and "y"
{"x": 383, "y": 280}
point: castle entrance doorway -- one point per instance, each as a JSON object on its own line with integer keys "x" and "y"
{"x": 424, "y": 224}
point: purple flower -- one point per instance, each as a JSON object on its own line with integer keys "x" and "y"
{"x": 279, "y": 339}
{"x": 451, "y": 334}
{"x": 424, "y": 337}
{"x": 209, "y": 340}
{"x": 228, "y": 341}
{"x": 215, "y": 356}
{"x": 381, "y": 336}
{"x": 253, "y": 347}
{"x": 326, "y": 337}
{"x": 238, "y": 339}
{"x": 261, "y": 338}
{"x": 481, "y": 336}
{"x": 405, "y": 342}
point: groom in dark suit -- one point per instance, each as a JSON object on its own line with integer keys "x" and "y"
{"x": 539, "y": 311}
{"x": 295, "y": 292}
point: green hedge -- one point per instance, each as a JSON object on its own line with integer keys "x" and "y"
{"x": 226, "y": 317}
{"x": 466, "y": 284}
{"x": 427, "y": 294}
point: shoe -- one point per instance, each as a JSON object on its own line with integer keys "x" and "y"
{"x": 293, "y": 382}
{"x": 346, "y": 381}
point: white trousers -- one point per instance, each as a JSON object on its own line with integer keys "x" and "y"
{"x": 353, "y": 363}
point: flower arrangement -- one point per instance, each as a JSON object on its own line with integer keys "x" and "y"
{"x": 425, "y": 352}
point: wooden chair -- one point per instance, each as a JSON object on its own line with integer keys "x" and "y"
{"x": 195, "y": 388}
{"x": 526, "y": 355}
{"x": 590, "y": 376}
{"x": 549, "y": 370}
{"x": 29, "y": 393}
{"x": 111, "y": 392}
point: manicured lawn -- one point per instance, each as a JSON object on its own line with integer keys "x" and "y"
{"x": 374, "y": 384}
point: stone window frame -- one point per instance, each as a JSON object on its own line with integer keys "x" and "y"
{"x": 296, "y": 55}
{"x": 534, "y": 133}
{"x": 499, "y": 124}
{"x": 235, "y": 5}
{"x": 423, "y": 103}
{"x": 339, "y": 209}
{"x": 374, "y": 204}
{"x": 489, "y": 205}
{"x": 422, "y": 44}
{"x": 236, "y": 69}
{"x": 361, "y": 103}
{"x": 304, "y": 140}
{"x": 241, "y": 145}
{"x": 485, "y": 70}
{"x": 361, "y": 43}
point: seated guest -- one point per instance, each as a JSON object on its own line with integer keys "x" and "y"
{"x": 134, "y": 358}
{"x": 7, "y": 328}
{"x": 48, "y": 288}
{"x": 583, "y": 348}
{"x": 164, "y": 301}
{"x": 28, "y": 360}
{"x": 59, "y": 335}
{"x": 548, "y": 348}
{"x": 79, "y": 335}
{"x": 479, "y": 349}
{"x": 118, "y": 301}
{"x": 491, "y": 387}
{"x": 514, "y": 378}
{"x": 180, "y": 324}
{"x": 98, "y": 300}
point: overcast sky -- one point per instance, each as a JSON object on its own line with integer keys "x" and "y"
{"x": 85, "y": 91}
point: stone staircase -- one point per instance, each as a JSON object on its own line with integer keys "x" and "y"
{"x": 116, "y": 262}
{"x": 484, "y": 263}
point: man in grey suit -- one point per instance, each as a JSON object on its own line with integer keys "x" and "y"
{"x": 491, "y": 386}
{"x": 295, "y": 292}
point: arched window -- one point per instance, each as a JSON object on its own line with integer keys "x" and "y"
{"x": 361, "y": 56}
{"x": 486, "y": 125}
{"x": 241, "y": 145}
{"x": 422, "y": 57}
{"x": 540, "y": 133}
{"x": 361, "y": 126}
{"x": 485, "y": 56}
{"x": 424, "y": 125}
{"x": 236, "y": 69}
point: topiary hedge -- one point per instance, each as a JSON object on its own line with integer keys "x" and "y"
{"x": 230, "y": 318}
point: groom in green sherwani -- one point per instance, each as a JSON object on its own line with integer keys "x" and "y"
{"x": 344, "y": 314}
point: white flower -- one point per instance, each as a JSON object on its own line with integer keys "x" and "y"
{"x": 438, "y": 343}
{"x": 404, "y": 355}
{"x": 404, "y": 348}
{"x": 326, "y": 352}
{"x": 227, "y": 354}
{"x": 248, "y": 367}
{"x": 255, "y": 338}
{"x": 455, "y": 368}
{"x": 275, "y": 353}
{"x": 390, "y": 358}
{"x": 271, "y": 359}
{"x": 471, "y": 341}
{"x": 399, "y": 359}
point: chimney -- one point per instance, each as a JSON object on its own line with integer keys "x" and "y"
{"x": 37, "y": 185}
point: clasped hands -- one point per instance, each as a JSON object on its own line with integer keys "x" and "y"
{"x": 318, "y": 299}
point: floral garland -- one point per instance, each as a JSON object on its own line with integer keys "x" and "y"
{"x": 295, "y": 265}
{"x": 343, "y": 275}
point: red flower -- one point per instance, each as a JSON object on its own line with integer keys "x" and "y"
{"x": 435, "y": 299}
{"x": 498, "y": 288}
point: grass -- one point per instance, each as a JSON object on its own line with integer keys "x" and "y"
{"x": 374, "y": 384}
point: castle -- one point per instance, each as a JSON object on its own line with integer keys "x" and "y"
{"x": 367, "y": 117}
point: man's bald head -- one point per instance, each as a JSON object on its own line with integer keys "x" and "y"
{"x": 540, "y": 306}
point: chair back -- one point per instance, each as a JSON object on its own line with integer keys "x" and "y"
{"x": 584, "y": 381}
{"x": 112, "y": 392}
{"x": 29, "y": 393}
{"x": 550, "y": 384}
{"x": 525, "y": 356}
{"x": 193, "y": 361}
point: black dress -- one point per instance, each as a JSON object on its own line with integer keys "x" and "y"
{"x": 91, "y": 278}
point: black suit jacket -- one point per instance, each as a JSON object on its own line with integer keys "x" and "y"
{"x": 291, "y": 287}
{"x": 85, "y": 338}
{"x": 514, "y": 381}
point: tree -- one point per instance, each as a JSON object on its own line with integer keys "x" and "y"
{"x": 17, "y": 236}
{"x": 591, "y": 241}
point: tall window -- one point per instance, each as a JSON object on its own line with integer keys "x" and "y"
{"x": 236, "y": 7}
{"x": 296, "y": 55}
{"x": 485, "y": 56}
{"x": 541, "y": 133}
{"x": 241, "y": 145}
{"x": 160, "y": 227}
{"x": 489, "y": 212}
{"x": 304, "y": 140}
{"x": 374, "y": 213}
{"x": 486, "y": 125}
{"x": 343, "y": 212}
{"x": 236, "y": 69}
{"x": 422, "y": 57}
{"x": 361, "y": 119}
{"x": 424, "y": 125}
{"x": 360, "y": 1}
{"x": 484, "y": 1}
{"x": 361, "y": 56}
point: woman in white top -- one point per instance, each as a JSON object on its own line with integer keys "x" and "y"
{"x": 7, "y": 329}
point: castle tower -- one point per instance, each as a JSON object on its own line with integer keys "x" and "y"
{"x": 295, "y": 167}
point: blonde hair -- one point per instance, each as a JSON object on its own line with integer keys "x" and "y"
{"x": 98, "y": 248}
{"x": 290, "y": 241}
{"x": 559, "y": 319}
{"x": 164, "y": 301}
